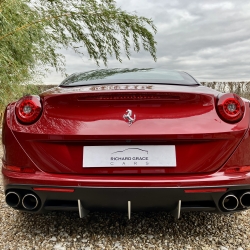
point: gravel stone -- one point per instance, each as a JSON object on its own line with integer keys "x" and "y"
{"x": 59, "y": 247}
{"x": 223, "y": 248}
{"x": 99, "y": 231}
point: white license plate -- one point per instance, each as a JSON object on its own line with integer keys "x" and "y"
{"x": 129, "y": 156}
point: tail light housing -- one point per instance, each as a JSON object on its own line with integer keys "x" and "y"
{"x": 230, "y": 108}
{"x": 28, "y": 109}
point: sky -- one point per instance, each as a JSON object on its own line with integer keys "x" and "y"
{"x": 208, "y": 39}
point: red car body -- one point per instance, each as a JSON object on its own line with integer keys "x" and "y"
{"x": 44, "y": 159}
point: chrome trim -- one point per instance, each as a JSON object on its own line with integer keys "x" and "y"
{"x": 31, "y": 207}
{"x": 179, "y": 210}
{"x": 82, "y": 211}
{"x": 129, "y": 210}
{"x": 228, "y": 196}
{"x": 18, "y": 196}
{"x": 246, "y": 193}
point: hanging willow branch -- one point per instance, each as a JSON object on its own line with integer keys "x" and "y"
{"x": 32, "y": 34}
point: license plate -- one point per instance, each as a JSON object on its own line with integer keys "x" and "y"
{"x": 129, "y": 156}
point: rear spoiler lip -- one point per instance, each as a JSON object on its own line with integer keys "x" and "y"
{"x": 127, "y": 82}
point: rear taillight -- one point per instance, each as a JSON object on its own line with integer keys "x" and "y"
{"x": 230, "y": 108}
{"x": 28, "y": 109}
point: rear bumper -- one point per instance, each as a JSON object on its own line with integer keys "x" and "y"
{"x": 117, "y": 199}
{"x": 144, "y": 193}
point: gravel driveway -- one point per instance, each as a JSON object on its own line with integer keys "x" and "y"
{"x": 61, "y": 230}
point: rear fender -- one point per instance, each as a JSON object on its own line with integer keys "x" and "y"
{"x": 14, "y": 154}
{"x": 241, "y": 156}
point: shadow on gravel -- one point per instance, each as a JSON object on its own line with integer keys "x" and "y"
{"x": 116, "y": 225}
{"x": 106, "y": 231}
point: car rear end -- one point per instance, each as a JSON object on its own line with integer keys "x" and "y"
{"x": 129, "y": 147}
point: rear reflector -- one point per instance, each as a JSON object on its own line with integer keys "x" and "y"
{"x": 19, "y": 169}
{"x": 205, "y": 190}
{"x": 242, "y": 169}
{"x": 62, "y": 190}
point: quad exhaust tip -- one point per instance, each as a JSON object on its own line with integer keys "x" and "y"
{"x": 230, "y": 202}
{"x": 12, "y": 199}
{"x": 245, "y": 199}
{"x": 30, "y": 201}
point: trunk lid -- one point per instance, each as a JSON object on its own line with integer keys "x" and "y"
{"x": 180, "y": 117}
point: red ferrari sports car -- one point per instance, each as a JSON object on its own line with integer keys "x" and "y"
{"x": 127, "y": 139}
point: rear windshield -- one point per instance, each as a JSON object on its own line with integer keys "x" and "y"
{"x": 109, "y": 76}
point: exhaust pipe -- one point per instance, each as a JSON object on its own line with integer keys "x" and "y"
{"x": 245, "y": 199}
{"x": 230, "y": 202}
{"x": 12, "y": 199}
{"x": 30, "y": 201}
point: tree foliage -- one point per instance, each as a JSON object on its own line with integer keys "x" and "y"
{"x": 33, "y": 31}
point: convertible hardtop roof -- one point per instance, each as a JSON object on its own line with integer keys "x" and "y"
{"x": 126, "y": 76}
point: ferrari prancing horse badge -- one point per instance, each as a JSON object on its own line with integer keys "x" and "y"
{"x": 128, "y": 117}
